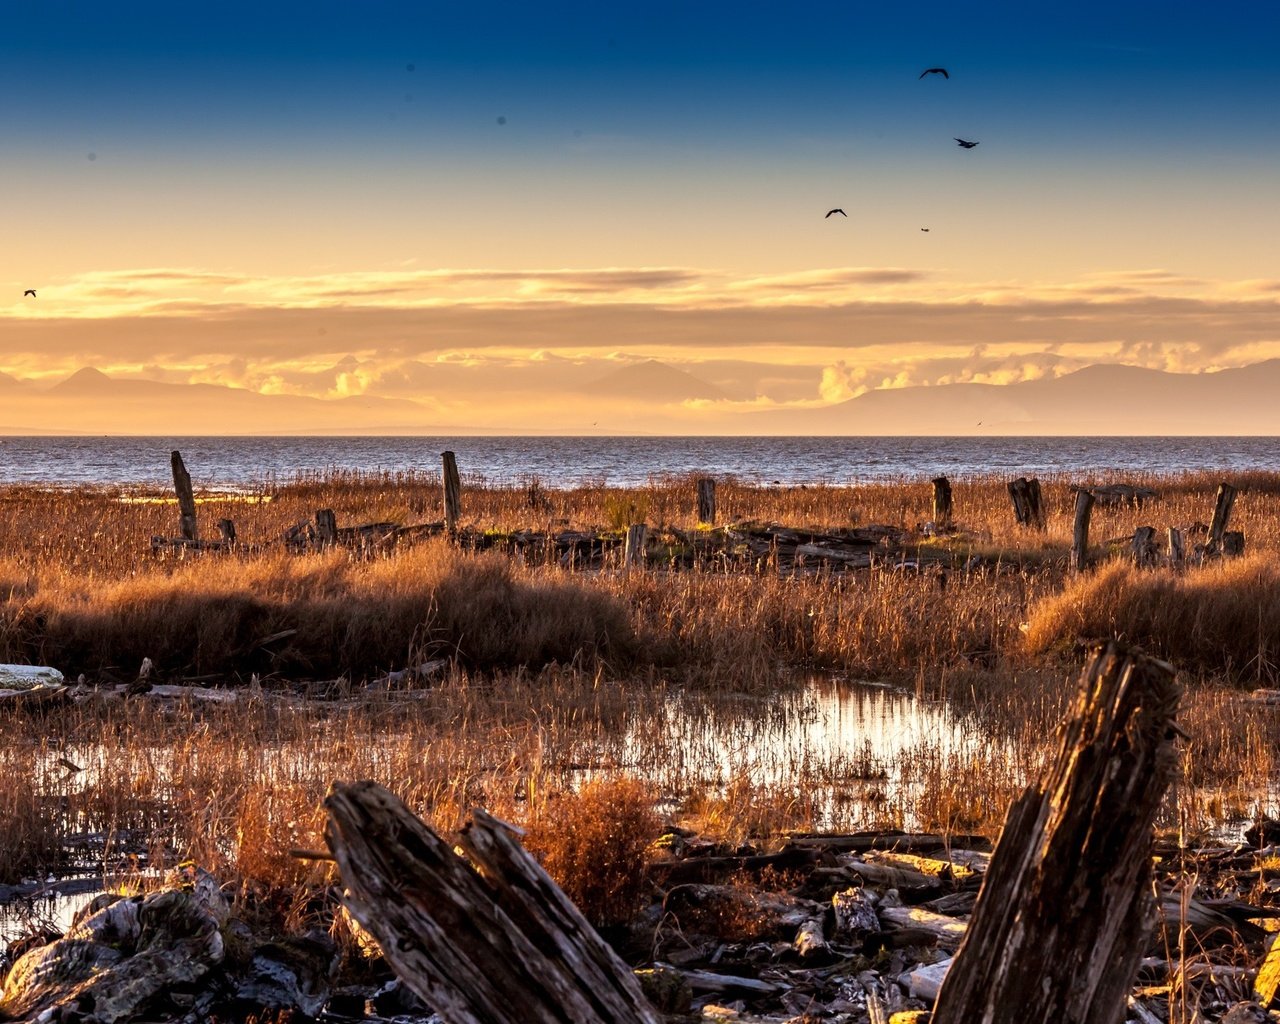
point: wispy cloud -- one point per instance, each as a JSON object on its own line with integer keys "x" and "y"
{"x": 805, "y": 337}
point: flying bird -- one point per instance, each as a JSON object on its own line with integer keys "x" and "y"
{"x": 836, "y": 210}
{"x": 965, "y": 143}
{"x": 935, "y": 71}
{"x": 29, "y": 291}
{"x": 924, "y": 229}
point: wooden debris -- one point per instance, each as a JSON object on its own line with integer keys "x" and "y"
{"x": 855, "y": 914}
{"x": 1111, "y": 495}
{"x": 1027, "y": 502}
{"x": 633, "y": 555}
{"x": 1080, "y": 531}
{"x": 941, "y": 502}
{"x": 706, "y": 500}
{"x": 452, "y": 487}
{"x": 1221, "y": 516}
{"x": 1079, "y": 842}
{"x": 1145, "y": 550}
{"x": 186, "y": 498}
{"x": 478, "y": 935}
{"x": 946, "y": 930}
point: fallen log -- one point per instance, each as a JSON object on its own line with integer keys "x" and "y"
{"x": 475, "y": 936}
{"x": 1060, "y": 924}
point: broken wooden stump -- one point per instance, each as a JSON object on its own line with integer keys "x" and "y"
{"x": 1146, "y": 552}
{"x": 941, "y": 502}
{"x": 1028, "y": 506}
{"x": 1177, "y": 548}
{"x": 186, "y": 498}
{"x": 326, "y": 527}
{"x": 1233, "y": 543}
{"x": 452, "y": 485}
{"x": 633, "y": 554}
{"x": 1066, "y": 903}
{"x": 476, "y": 936}
{"x": 1222, "y": 506}
{"x": 227, "y": 527}
{"x": 706, "y": 500}
{"x": 1080, "y": 530}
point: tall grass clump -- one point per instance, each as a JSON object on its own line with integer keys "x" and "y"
{"x": 1220, "y": 618}
{"x": 339, "y": 616}
{"x": 595, "y": 842}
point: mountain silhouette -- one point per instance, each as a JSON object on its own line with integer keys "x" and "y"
{"x": 1097, "y": 399}
{"x": 654, "y": 381}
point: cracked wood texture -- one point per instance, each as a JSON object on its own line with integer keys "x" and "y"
{"x": 1066, "y": 905}
{"x": 484, "y": 938}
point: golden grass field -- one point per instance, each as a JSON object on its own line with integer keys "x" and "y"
{"x": 549, "y": 667}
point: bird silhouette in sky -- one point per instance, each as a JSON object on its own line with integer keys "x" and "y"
{"x": 935, "y": 71}
{"x": 836, "y": 210}
{"x": 924, "y": 229}
{"x": 965, "y": 143}
{"x": 29, "y": 291}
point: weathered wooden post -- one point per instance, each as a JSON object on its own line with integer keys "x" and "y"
{"x": 452, "y": 491}
{"x": 1145, "y": 550}
{"x": 483, "y": 936}
{"x": 1080, "y": 532}
{"x": 1221, "y": 516}
{"x": 227, "y": 528}
{"x": 706, "y": 500}
{"x": 1027, "y": 506}
{"x": 1066, "y": 904}
{"x": 326, "y": 527}
{"x": 633, "y": 554}
{"x": 186, "y": 499}
{"x": 941, "y": 502}
{"x": 1177, "y": 548}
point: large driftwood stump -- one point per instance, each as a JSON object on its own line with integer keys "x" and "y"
{"x": 1066, "y": 904}
{"x": 1028, "y": 502}
{"x": 484, "y": 938}
{"x": 186, "y": 497}
{"x": 941, "y": 501}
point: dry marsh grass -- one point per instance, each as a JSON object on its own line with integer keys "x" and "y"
{"x": 552, "y": 668}
{"x": 1222, "y": 619}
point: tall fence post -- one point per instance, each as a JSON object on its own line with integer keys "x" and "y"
{"x": 941, "y": 502}
{"x": 1060, "y": 924}
{"x": 186, "y": 499}
{"x": 452, "y": 491}
{"x": 1080, "y": 532}
{"x": 706, "y": 500}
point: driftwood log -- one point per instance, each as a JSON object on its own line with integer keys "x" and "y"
{"x": 483, "y": 938}
{"x": 1066, "y": 905}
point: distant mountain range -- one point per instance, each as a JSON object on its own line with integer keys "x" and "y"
{"x": 90, "y": 402}
{"x": 1099, "y": 399}
{"x": 652, "y": 397}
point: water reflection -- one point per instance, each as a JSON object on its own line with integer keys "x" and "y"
{"x": 856, "y": 752}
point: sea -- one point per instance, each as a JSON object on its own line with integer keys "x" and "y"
{"x": 248, "y": 463}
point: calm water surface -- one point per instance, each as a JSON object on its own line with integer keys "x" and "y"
{"x": 243, "y": 462}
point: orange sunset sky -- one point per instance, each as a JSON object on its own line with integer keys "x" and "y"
{"x": 494, "y": 219}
